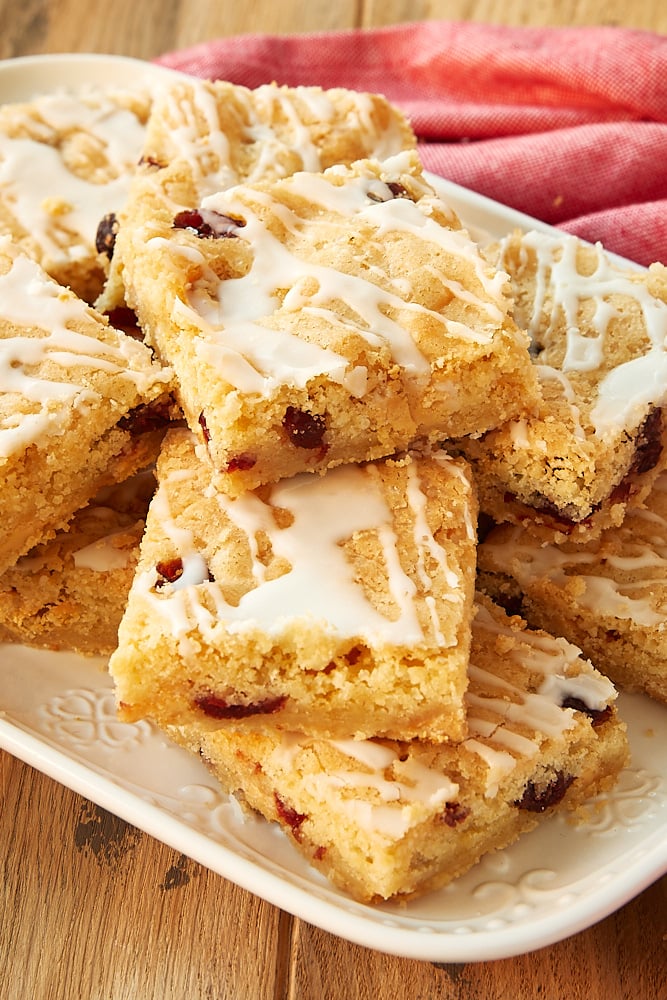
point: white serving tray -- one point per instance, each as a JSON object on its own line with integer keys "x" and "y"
{"x": 57, "y": 714}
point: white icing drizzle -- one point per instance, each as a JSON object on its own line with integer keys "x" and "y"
{"x": 102, "y": 555}
{"x": 392, "y": 789}
{"x": 115, "y": 134}
{"x": 454, "y": 468}
{"x": 398, "y": 802}
{"x": 626, "y": 390}
{"x": 320, "y": 587}
{"x": 207, "y": 148}
{"x": 534, "y": 710}
{"x": 499, "y": 763}
{"x": 547, "y": 372}
{"x": 566, "y": 675}
{"x": 28, "y": 299}
{"x": 239, "y": 336}
{"x": 194, "y": 145}
{"x": 630, "y": 585}
{"x": 426, "y": 545}
{"x": 519, "y": 434}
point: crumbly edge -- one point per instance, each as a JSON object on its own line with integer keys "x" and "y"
{"x": 501, "y": 491}
{"x": 632, "y": 657}
{"x": 399, "y": 692}
{"x": 433, "y": 853}
{"x": 43, "y": 491}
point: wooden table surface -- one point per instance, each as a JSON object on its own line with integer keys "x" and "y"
{"x": 93, "y": 909}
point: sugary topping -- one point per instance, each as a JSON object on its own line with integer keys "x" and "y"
{"x": 624, "y": 576}
{"x": 626, "y": 388}
{"x": 386, "y": 795}
{"x": 104, "y": 555}
{"x": 245, "y": 322}
{"x": 193, "y": 114}
{"x": 319, "y": 585}
{"x": 87, "y": 146}
{"x": 45, "y": 371}
{"x": 388, "y": 788}
{"x": 502, "y": 720}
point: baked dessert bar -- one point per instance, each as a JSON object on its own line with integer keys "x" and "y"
{"x": 599, "y": 348}
{"x": 608, "y": 596}
{"x": 71, "y": 592}
{"x": 337, "y": 604}
{"x": 204, "y": 136}
{"x": 389, "y": 819}
{"x": 81, "y": 404}
{"x": 66, "y": 160}
{"x": 325, "y": 319}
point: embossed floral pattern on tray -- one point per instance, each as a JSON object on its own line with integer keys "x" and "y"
{"x": 501, "y": 904}
{"x": 85, "y": 717}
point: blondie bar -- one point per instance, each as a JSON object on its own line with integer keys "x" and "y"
{"x": 66, "y": 160}
{"x": 337, "y": 604}
{"x": 597, "y": 444}
{"x": 325, "y": 319}
{"x": 204, "y": 136}
{"x": 608, "y": 596}
{"x": 71, "y": 592}
{"x": 82, "y": 405}
{"x": 389, "y": 819}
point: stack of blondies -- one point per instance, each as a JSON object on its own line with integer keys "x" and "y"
{"x": 366, "y": 512}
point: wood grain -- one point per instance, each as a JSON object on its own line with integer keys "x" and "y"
{"x": 607, "y": 962}
{"x": 147, "y": 28}
{"x": 93, "y": 909}
{"x": 644, "y": 14}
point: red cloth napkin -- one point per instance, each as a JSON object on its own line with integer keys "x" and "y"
{"x": 566, "y": 124}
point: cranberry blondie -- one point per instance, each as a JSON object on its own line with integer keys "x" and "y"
{"x": 389, "y": 819}
{"x": 204, "y": 136}
{"x": 599, "y": 345}
{"x": 608, "y": 596}
{"x": 337, "y": 604}
{"x": 71, "y": 592}
{"x": 82, "y": 405}
{"x": 66, "y": 161}
{"x": 325, "y": 319}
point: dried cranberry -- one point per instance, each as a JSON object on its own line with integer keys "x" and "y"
{"x": 148, "y": 417}
{"x": 125, "y": 319}
{"x": 648, "y": 449}
{"x": 394, "y": 189}
{"x": 596, "y": 715}
{"x": 398, "y": 190}
{"x": 205, "y": 222}
{"x": 454, "y": 813}
{"x": 204, "y": 427}
{"x": 169, "y": 570}
{"x": 538, "y": 800}
{"x": 305, "y": 430}
{"x": 219, "y": 708}
{"x": 151, "y": 161}
{"x": 623, "y": 491}
{"x": 290, "y": 816}
{"x": 543, "y": 505}
{"x": 241, "y": 463}
{"x": 105, "y": 238}
{"x": 649, "y": 444}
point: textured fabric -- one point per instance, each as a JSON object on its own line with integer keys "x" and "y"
{"x": 566, "y": 124}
